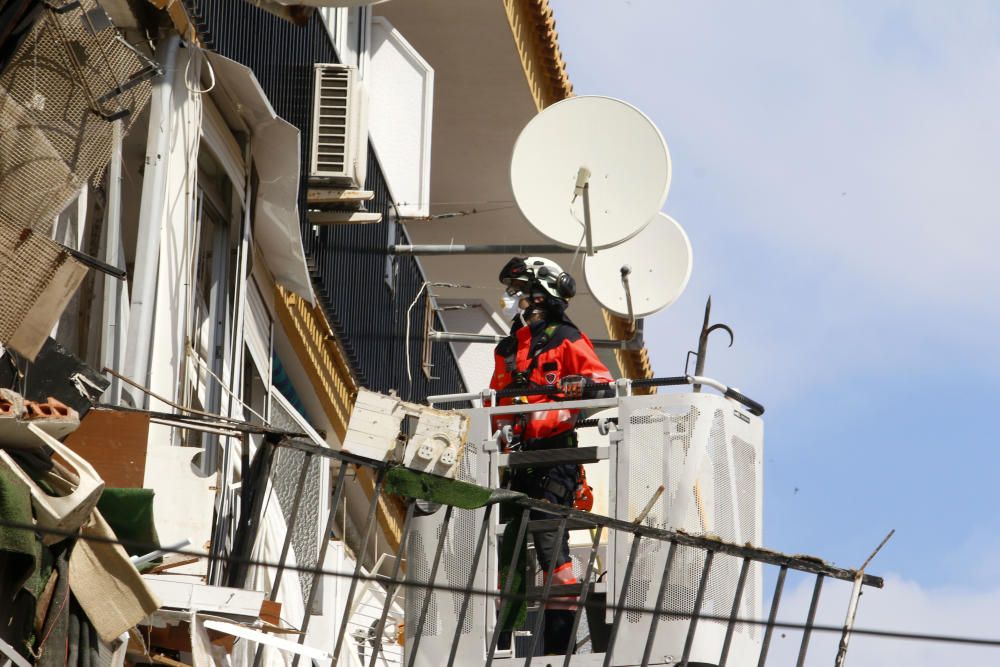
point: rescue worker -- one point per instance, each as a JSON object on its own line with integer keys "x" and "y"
{"x": 545, "y": 349}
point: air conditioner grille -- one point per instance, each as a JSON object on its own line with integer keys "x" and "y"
{"x": 332, "y": 121}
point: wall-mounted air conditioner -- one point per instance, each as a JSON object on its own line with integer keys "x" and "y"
{"x": 339, "y": 151}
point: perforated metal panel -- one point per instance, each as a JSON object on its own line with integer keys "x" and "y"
{"x": 285, "y": 477}
{"x": 444, "y": 612}
{"x": 707, "y": 455}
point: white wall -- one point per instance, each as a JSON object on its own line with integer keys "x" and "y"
{"x": 400, "y": 103}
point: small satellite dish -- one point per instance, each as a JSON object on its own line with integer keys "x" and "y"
{"x": 616, "y": 144}
{"x": 660, "y": 260}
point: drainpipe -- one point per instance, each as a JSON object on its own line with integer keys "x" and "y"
{"x": 147, "y": 250}
{"x": 114, "y": 289}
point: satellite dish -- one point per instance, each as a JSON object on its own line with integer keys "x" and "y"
{"x": 660, "y": 259}
{"x": 627, "y": 160}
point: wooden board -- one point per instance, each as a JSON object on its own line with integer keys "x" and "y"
{"x": 115, "y": 445}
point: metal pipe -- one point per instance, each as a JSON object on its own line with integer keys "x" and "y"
{"x": 467, "y": 249}
{"x": 584, "y": 594}
{"x": 810, "y": 620}
{"x": 852, "y": 610}
{"x": 771, "y": 617}
{"x": 626, "y": 270}
{"x": 430, "y": 585}
{"x": 390, "y": 588}
{"x": 626, "y": 580}
{"x": 699, "y": 366}
{"x": 733, "y": 615}
{"x": 139, "y": 561}
{"x": 338, "y": 492}
{"x": 150, "y": 217}
{"x": 469, "y": 587}
{"x": 507, "y": 586}
{"x": 360, "y": 556}
{"x": 699, "y": 598}
{"x": 546, "y": 590}
{"x": 290, "y": 527}
{"x": 662, "y": 593}
{"x": 633, "y": 343}
{"x": 111, "y": 334}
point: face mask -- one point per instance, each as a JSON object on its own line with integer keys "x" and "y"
{"x": 511, "y": 309}
{"x": 509, "y": 306}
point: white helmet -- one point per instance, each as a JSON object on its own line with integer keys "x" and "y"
{"x": 524, "y": 274}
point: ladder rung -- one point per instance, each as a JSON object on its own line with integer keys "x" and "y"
{"x": 552, "y": 457}
{"x": 541, "y": 525}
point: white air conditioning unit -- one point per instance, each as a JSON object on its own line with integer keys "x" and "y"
{"x": 339, "y": 151}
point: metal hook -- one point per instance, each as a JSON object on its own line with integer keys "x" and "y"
{"x": 706, "y": 330}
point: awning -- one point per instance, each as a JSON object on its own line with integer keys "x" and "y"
{"x": 274, "y": 144}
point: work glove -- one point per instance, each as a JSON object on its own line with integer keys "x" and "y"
{"x": 572, "y": 386}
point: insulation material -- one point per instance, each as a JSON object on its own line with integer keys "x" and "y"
{"x": 106, "y": 584}
{"x": 45, "y": 278}
{"x": 57, "y": 94}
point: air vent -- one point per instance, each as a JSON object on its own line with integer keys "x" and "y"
{"x": 338, "y": 140}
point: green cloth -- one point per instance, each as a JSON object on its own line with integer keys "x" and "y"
{"x": 18, "y": 546}
{"x": 129, "y": 512}
{"x": 20, "y": 563}
{"x": 423, "y": 486}
{"x": 516, "y": 610}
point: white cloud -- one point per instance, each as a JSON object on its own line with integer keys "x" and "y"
{"x": 902, "y": 606}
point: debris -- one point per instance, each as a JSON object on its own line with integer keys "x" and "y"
{"x": 106, "y": 584}
{"x": 62, "y": 513}
{"x": 57, "y": 373}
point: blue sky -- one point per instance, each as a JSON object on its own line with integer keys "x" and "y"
{"x": 836, "y": 166}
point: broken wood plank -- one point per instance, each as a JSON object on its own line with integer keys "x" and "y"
{"x": 338, "y": 196}
{"x": 344, "y": 218}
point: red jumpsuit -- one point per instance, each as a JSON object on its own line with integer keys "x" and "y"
{"x": 538, "y": 355}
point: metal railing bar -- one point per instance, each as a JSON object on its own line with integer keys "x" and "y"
{"x": 810, "y": 619}
{"x": 801, "y": 564}
{"x": 369, "y": 529}
{"x": 662, "y": 593}
{"x": 626, "y": 580}
{"x": 546, "y": 590}
{"x": 845, "y": 635}
{"x": 772, "y": 616}
{"x": 507, "y": 585}
{"x": 798, "y": 563}
{"x": 331, "y": 515}
{"x": 290, "y": 527}
{"x": 584, "y": 594}
{"x": 433, "y": 575}
{"x": 472, "y": 580}
{"x": 699, "y": 598}
{"x": 734, "y": 614}
{"x": 390, "y": 591}
{"x": 289, "y": 530}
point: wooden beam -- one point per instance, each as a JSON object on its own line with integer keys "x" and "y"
{"x": 338, "y": 196}
{"x": 344, "y": 218}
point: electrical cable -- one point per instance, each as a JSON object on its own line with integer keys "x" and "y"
{"x": 440, "y": 588}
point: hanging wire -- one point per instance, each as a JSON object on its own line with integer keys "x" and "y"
{"x": 494, "y": 594}
{"x": 425, "y": 285}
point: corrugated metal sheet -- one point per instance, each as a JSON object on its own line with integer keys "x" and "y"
{"x": 365, "y": 302}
